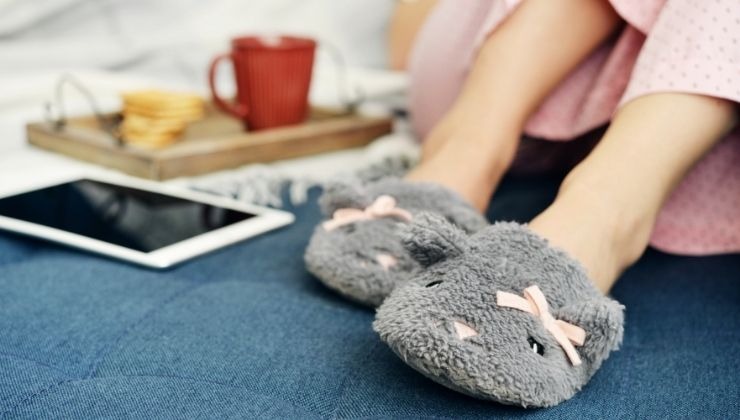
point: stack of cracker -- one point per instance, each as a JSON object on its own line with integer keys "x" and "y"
{"x": 156, "y": 119}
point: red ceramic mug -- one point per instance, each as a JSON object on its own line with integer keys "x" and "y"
{"x": 273, "y": 75}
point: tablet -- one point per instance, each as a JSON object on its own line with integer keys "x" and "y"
{"x": 138, "y": 221}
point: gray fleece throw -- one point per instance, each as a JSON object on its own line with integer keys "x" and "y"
{"x": 358, "y": 251}
{"x": 499, "y": 314}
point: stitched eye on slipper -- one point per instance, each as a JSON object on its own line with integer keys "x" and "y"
{"x": 434, "y": 283}
{"x": 364, "y": 260}
{"x": 536, "y": 346}
{"x": 348, "y": 228}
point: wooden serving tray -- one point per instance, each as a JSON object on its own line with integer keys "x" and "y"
{"x": 213, "y": 143}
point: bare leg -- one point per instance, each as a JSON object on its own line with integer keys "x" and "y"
{"x": 516, "y": 68}
{"x": 607, "y": 206}
{"x": 407, "y": 19}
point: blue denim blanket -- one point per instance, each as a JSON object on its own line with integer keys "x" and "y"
{"x": 245, "y": 332}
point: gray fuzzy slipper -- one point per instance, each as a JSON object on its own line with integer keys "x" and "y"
{"x": 499, "y": 315}
{"x": 358, "y": 252}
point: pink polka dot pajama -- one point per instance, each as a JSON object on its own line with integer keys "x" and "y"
{"x": 690, "y": 46}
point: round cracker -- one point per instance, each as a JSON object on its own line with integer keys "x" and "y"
{"x": 135, "y": 122}
{"x": 149, "y": 137}
{"x": 159, "y": 104}
{"x": 157, "y": 98}
{"x": 189, "y": 115}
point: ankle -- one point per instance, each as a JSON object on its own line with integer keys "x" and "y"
{"x": 624, "y": 231}
{"x": 461, "y": 169}
{"x": 471, "y": 163}
{"x": 625, "y": 222}
{"x": 598, "y": 227}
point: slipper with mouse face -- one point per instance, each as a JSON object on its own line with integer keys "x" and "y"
{"x": 358, "y": 251}
{"x": 498, "y": 315}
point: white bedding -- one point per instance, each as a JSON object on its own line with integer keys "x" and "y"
{"x": 115, "y": 45}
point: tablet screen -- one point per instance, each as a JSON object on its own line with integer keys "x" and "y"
{"x": 136, "y": 219}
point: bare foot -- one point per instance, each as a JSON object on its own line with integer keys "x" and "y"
{"x": 467, "y": 156}
{"x": 607, "y": 206}
{"x": 606, "y": 236}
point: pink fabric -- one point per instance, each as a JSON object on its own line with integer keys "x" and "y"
{"x": 534, "y": 302}
{"x": 463, "y": 330}
{"x": 383, "y": 206}
{"x": 387, "y": 261}
{"x": 668, "y": 46}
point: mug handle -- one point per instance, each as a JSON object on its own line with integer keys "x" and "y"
{"x": 238, "y": 110}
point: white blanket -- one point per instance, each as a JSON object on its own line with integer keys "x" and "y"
{"x": 115, "y": 45}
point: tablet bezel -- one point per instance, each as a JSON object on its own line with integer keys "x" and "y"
{"x": 265, "y": 219}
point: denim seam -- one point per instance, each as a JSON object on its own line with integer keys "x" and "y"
{"x": 46, "y": 365}
{"x": 200, "y": 380}
{"x": 349, "y": 379}
{"x": 36, "y": 394}
{"x": 104, "y": 352}
{"x": 80, "y": 380}
{"x": 426, "y": 417}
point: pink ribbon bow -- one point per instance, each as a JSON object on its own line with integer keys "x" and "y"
{"x": 534, "y": 302}
{"x": 383, "y": 206}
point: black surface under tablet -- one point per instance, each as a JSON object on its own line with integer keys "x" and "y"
{"x": 133, "y": 218}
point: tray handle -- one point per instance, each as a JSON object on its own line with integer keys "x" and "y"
{"x": 109, "y": 124}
